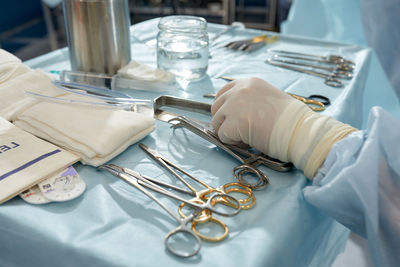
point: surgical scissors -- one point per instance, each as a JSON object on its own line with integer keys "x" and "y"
{"x": 200, "y": 196}
{"x": 249, "y": 160}
{"x": 329, "y": 79}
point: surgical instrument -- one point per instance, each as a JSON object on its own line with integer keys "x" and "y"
{"x": 205, "y": 130}
{"x": 249, "y": 159}
{"x": 329, "y": 79}
{"x": 98, "y": 97}
{"x": 327, "y": 59}
{"x": 202, "y": 195}
{"x": 311, "y": 101}
{"x": 225, "y": 189}
{"x": 315, "y": 102}
{"x": 251, "y": 44}
{"x": 334, "y": 71}
{"x": 181, "y": 229}
{"x": 202, "y": 207}
{"x": 199, "y": 201}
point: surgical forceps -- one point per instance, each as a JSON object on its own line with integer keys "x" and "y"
{"x": 329, "y": 79}
{"x": 331, "y": 59}
{"x": 202, "y": 195}
{"x": 225, "y": 189}
{"x": 252, "y": 43}
{"x": 141, "y": 183}
{"x": 250, "y": 160}
{"x": 336, "y": 72}
{"x": 138, "y": 181}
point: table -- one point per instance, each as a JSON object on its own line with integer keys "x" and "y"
{"x": 112, "y": 224}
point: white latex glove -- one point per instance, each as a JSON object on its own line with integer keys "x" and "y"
{"x": 260, "y": 115}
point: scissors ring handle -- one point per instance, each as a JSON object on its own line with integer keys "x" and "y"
{"x": 192, "y": 236}
{"x": 323, "y": 99}
{"x": 240, "y": 171}
{"x": 333, "y": 82}
{"x": 315, "y": 105}
{"x": 245, "y": 203}
{"x": 211, "y": 238}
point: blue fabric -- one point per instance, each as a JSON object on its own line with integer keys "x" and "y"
{"x": 363, "y": 22}
{"x": 359, "y": 185}
{"x": 112, "y": 224}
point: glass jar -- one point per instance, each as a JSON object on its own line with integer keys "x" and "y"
{"x": 182, "y": 46}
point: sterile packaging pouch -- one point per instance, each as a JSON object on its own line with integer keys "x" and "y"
{"x": 26, "y": 160}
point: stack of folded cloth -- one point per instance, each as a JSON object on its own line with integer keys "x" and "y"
{"x": 94, "y": 134}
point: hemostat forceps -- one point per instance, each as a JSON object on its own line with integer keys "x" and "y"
{"x": 142, "y": 183}
{"x": 329, "y": 79}
{"x": 335, "y": 72}
{"x": 333, "y": 59}
{"x": 225, "y": 189}
{"x": 202, "y": 195}
{"x": 248, "y": 159}
{"x": 139, "y": 183}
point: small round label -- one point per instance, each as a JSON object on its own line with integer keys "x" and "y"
{"x": 64, "y": 186}
{"x": 33, "y": 195}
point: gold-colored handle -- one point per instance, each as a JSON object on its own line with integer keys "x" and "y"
{"x": 211, "y": 238}
{"x": 317, "y": 105}
{"x": 239, "y": 188}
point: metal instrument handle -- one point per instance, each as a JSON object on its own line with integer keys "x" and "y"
{"x": 328, "y": 79}
{"x": 240, "y": 171}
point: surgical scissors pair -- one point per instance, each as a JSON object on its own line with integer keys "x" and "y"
{"x": 200, "y": 196}
{"x": 142, "y": 183}
{"x": 249, "y": 159}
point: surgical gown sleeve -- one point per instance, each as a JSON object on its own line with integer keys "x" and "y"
{"x": 359, "y": 185}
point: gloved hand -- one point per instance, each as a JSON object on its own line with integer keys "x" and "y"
{"x": 260, "y": 115}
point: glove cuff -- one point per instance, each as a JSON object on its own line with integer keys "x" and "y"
{"x": 304, "y": 137}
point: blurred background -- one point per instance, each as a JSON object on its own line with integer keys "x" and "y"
{"x": 35, "y": 27}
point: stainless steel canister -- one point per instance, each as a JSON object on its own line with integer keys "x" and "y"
{"x": 98, "y": 34}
